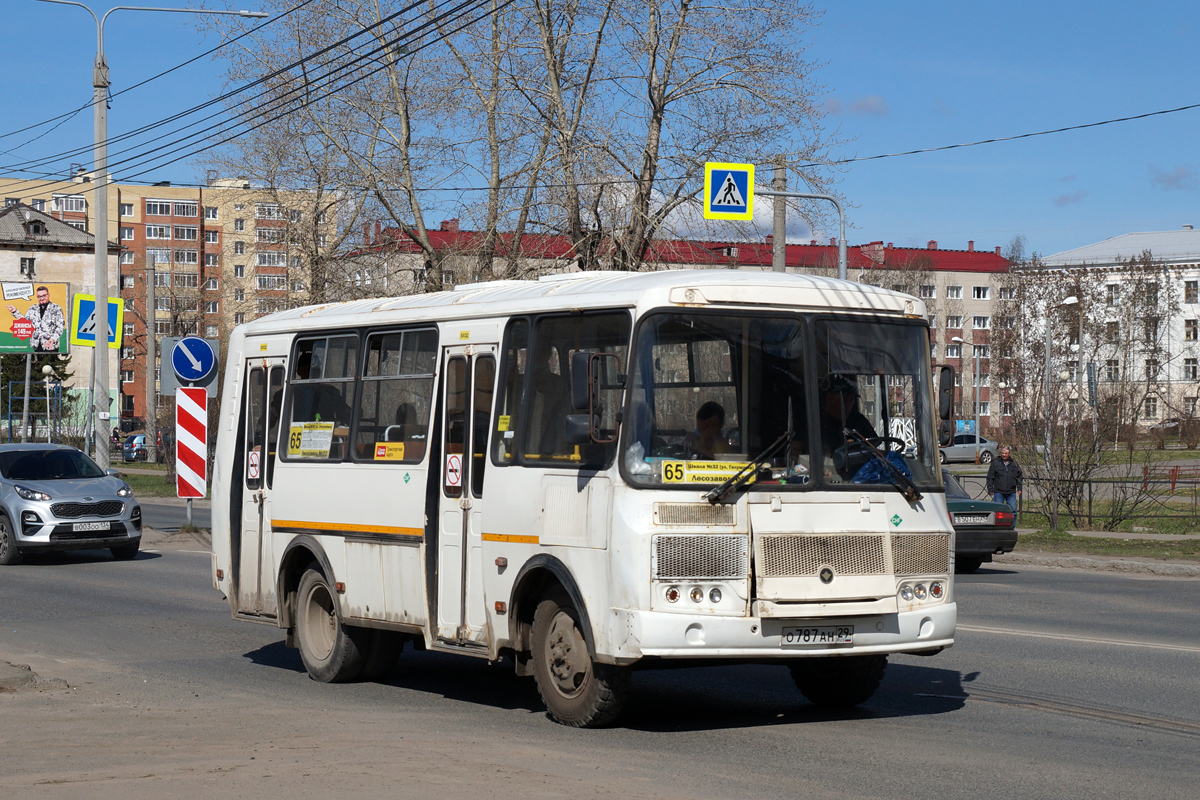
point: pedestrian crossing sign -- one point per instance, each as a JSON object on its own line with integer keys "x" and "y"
{"x": 728, "y": 191}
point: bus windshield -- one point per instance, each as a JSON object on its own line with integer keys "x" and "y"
{"x": 712, "y": 392}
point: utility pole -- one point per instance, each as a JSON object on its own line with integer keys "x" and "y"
{"x": 779, "y": 234}
{"x": 151, "y": 360}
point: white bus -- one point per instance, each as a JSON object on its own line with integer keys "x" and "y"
{"x": 589, "y": 472}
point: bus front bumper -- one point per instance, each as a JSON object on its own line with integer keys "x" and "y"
{"x": 668, "y": 635}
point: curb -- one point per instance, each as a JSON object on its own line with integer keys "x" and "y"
{"x": 1129, "y": 566}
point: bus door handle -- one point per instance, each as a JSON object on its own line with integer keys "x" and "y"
{"x": 258, "y": 497}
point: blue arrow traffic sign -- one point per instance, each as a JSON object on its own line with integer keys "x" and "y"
{"x": 193, "y": 359}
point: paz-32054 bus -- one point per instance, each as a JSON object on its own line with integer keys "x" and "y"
{"x": 589, "y": 472}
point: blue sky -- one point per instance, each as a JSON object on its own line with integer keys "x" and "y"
{"x": 897, "y": 76}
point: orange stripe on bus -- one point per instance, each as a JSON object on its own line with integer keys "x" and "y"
{"x": 347, "y": 527}
{"x": 503, "y": 537}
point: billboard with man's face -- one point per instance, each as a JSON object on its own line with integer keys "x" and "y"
{"x": 34, "y": 318}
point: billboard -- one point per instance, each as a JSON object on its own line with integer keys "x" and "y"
{"x": 35, "y": 317}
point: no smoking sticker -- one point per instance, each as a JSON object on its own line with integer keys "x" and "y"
{"x": 252, "y": 465}
{"x": 454, "y": 470}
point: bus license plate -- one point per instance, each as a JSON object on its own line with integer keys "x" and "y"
{"x": 972, "y": 519}
{"x": 819, "y": 635}
{"x": 91, "y": 526}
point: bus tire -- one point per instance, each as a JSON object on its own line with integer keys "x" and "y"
{"x": 331, "y": 651}
{"x": 382, "y": 653}
{"x": 577, "y": 691}
{"x": 839, "y": 682}
{"x": 9, "y": 554}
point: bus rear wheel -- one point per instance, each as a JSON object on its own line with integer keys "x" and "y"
{"x": 577, "y": 691}
{"x": 331, "y": 651}
{"x": 839, "y": 682}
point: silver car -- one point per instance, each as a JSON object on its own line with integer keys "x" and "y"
{"x": 963, "y": 449}
{"x": 53, "y": 498}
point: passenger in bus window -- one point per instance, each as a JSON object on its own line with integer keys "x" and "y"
{"x": 708, "y": 439}
{"x": 839, "y": 411}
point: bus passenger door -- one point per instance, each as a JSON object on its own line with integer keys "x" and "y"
{"x": 264, "y": 401}
{"x": 470, "y": 377}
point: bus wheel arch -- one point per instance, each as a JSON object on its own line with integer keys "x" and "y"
{"x": 300, "y": 553}
{"x": 538, "y": 577}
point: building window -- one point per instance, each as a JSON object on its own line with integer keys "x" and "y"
{"x": 1190, "y": 405}
{"x": 158, "y": 208}
{"x": 239, "y": 270}
{"x": 187, "y": 233}
{"x": 954, "y": 293}
{"x": 187, "y": 257}
{"x": 295, "y": 216}
{"x": 297, "y": 286}
{"x": 238, "y": 206}
{"x": 269, "y": 306}
{"x": 127, "y": 257}
{"x": 1190, "y": 291}
{"x": 1112, "y": 332}
{"x": 27, "y": 266}
{"x": 1150, "y": 408}
{"x": 983, "y": 408}
{"x": 272, "y": 258}
{"x": 297, "y": 262}
{"x": 269, "y": 235}
{"x": 1151, "y": 330}
{"x": 187, "y": 280}
{"x": 37, "y": 205}
{"x": 162, "y": 303}
{"x": 933, "y": 352}
{"x": 162, "y": 327}
{"x": 1151, "y": 368}
{"x": 129, "y": 329}
{"x": 239, "y": 295}
{"x": 126, "y": 233}
{"x": 927, "y": 291}
{"x": 210, "y": 307}
{"x": 212, "y": 260}
{"x": 239, "y": 248}
{"x": 983, "y": 379}
{"x": 1112, "y": 294}
{"x": 982, "y": 323}
{"x": 1112, "y": 370}
{"x": 269, "y": 283}
{"x": 162, "y": 279}
{"x": 321, "y": 239}
{"x": 1072, "y": 370}
{"x": 268, "y": 211}
{"x": 239, "y": 224}
{"x": 981, "y": 350}
{"x": 210, "y": 212}
{"x": 981, "y": 292}
{"x": 954, "y": 351}
{"x": 127, "y": 353}
{"x": 933, "y": 321}
{"x": 158, "y": 376}
{"x": 953, "y": 322}
{"x": 126, "y": 375}
{"x": 69, "y": 202}
{"x": 211, "y": 284}
{"x": 1006, "y": 408}
{"x": 210, "y": 237}
{"x": 126, "y": 281}
{"x": 79, "y": 226}
{"x": 1190, "y": 330}
{"x": 126, "y": 209}
{"x": 1190, "y": 371}
{"x": 185, "y": 209}
{"x": 238, "y": 319}
{"x": 158, "y": 232}
{"x": 1008, "y": 293}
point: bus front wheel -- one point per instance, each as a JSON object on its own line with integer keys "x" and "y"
{"x": 839, "y": 682}
{"x": 577, "y": 691}
{"x": 331, "y": 651}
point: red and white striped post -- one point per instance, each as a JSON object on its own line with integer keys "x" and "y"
{"x": 191, "y": 444}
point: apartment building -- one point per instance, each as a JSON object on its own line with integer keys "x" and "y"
{"x": 223, "y": 253}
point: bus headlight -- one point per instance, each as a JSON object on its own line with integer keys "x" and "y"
{"x": 906, "y": 593}
{"x": 672, "y": 594}
{"x": 715, "y": 595}
{"x": 920, "y": 591}
{"x": 697, "y": 594}
{"x": 937, "y": 590}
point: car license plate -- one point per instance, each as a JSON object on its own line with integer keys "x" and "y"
{"x": 972, "y": 519}
{"x": 91, "y": 526}
{"x": 817, "y": 635}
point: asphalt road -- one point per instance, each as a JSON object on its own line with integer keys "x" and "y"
{"x": 1063, "y": 684}
{"x": 169, "y": 518}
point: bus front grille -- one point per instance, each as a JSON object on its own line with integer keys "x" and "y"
{"x": 693, "y": 514}
{"x": 921, "y": 553}
{"x": 701, "y": 557}
{"x": 791, "y": 556}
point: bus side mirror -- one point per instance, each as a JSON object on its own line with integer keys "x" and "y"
{"x": 583, "y": 387}
{"x": 945, "y": 405}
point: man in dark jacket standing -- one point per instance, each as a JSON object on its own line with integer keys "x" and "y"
{"x": 1004, "y": 479}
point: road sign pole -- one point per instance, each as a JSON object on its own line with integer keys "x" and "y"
{"x": 841, "y": 219}
{"x": 189, "y": 512}
{"x": 151, "y": 358}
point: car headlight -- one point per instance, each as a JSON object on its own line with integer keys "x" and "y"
{"x": 125, "y": 491}
{"x": 30, "y": 494}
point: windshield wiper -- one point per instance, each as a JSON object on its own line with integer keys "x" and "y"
{"x": 910, "y": 489}
{"x": 749, "y": 472}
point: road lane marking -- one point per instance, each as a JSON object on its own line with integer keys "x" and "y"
{"x": 1088, "y": 639}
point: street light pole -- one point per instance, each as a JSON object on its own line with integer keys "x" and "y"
{"x": 974, "y": 389}
{"x": 100, "y": 377}
{"x": 1070, "y": 301}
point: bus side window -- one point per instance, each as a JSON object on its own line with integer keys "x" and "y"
{"x": 512, "y": 384}
{"x": 256, "y": 422}
{"x": 484, "y": 384}
{"x": 274, "y": 410}
{"x": 322, "y": 396}
{"x": 393, "y": 415}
